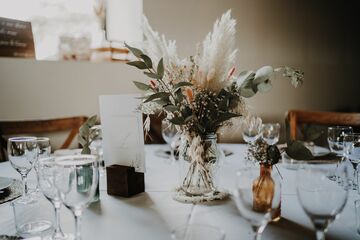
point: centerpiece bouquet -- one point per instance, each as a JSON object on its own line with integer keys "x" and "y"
{"x": 200, "y": 94}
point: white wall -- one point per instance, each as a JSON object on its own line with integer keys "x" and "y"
{"x": 318, "y": 37}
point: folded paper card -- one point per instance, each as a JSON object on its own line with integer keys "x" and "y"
{"x": 123, "y": 137}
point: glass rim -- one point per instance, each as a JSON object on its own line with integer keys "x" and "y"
{"x": 197, "y": 225}
{"x": 75, "y": 160}
{"x": 273, "y": 124}
{"x": 42, "y": 139}
{"x": 340, "y": 127}
{"x": 22, "y": 139}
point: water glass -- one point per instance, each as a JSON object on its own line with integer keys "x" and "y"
{"x": 271, "y": 133}
{"x": 321, "y": 199}
{"x": 352, "y": 152}
{"x": 76, "y": 179}
{"x": 22, "y": 153}
{"x": 357, "y": 215}
{"x": 252, "y": 129}
{"x": 32, "y": 218}
{"x": 198, "y": 231}
{"x": 96, "y": 145}
{"x": 44, "y": 152}
{"x": 246, "y": 197}
{"x": 46, "y": 171}
{"x": 170, "y": 135}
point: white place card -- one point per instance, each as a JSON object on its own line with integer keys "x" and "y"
{"x": 122, "y": 126}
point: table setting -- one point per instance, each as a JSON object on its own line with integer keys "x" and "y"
{"x": 115, "y": 187}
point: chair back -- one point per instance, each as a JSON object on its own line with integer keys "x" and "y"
{"x": 40, "y": 126}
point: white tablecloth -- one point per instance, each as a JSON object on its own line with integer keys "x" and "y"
{"x": 153, "y": 214}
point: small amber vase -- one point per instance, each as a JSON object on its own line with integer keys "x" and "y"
{"x": 263, "y": 192}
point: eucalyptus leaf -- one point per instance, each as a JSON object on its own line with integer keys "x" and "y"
{"x": 244, "y": 76}
{"x": 247, "y": 92}
{"x": 177, "y": 120}
{"x": 147, "y": 60}
{"x": 296, "y": 150}
{"x": 152, "y": 75}
{"x": 137, "y": 52}
{"x": 264, "y": 86}
{"x": 157, "y": 95}
{"x": 171, "y": 108}
{"x": 160, "y": 68}
{"x": 141, "y": 86}
{"x": 139, "y": 64}
{"x": 181, "y": 84}
{"x": 263, "y": 74}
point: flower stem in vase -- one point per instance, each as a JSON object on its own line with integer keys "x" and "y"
{"x": 263, "y": 193}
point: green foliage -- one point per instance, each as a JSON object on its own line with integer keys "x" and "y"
{"x": 141, "y": 86}
{"x": 84, "y": 136}
{"x": 162, "y": 95}
{"x": 296, "y": 150}
{"x": 273, "y": 154}
{"x": 139, "y": 64}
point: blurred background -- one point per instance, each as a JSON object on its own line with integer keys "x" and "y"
{"x": 319, "y": 37}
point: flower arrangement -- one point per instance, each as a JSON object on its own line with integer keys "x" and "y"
{"x": 201, "y": 93}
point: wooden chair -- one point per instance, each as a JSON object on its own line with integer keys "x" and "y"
{"x": 297, "y": 117}
{"x": 40, "y": 126}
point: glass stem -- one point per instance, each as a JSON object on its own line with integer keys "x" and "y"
{"x": 24, "y": 182}
{"x": 172, "y": 155}
{"x": 320, "y": 235}
{"x": 77, "y": 214}
{"x": 257, "y": 232}
{"x": 57, "y": 231}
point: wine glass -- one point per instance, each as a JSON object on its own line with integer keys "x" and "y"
{"x": 352, "y": 151}
{"x": 321, "y": 198}
{"x": 170, "y": 135}
{"x": 96, "y": 143}
{"x": 23, "y": 152}
{"x": 46, "y": 173}
{"x": 44, "y": 152}
{"x": 246, "y": 197}
{"x": 271, "y": 133}
{"x": 76, "y": 178}
{"x": 251, "y": 129}
{"x": 335, "y": 138}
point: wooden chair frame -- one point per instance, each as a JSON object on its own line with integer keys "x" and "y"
{"x": 42, "y": 126}
{"x": 296, "y": 117}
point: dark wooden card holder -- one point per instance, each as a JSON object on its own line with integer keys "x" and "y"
{"x": 124, "y": 181}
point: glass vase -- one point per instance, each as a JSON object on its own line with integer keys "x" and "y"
{"x": 263, "y": 192}
{"x": 200, "y": 161}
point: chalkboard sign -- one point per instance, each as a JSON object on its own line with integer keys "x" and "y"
{"x": 16, "y": 38}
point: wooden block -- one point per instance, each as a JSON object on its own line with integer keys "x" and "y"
{"x": 124, "y": 181}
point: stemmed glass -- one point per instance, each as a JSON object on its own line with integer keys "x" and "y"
{"x": 271, "y": 133}
{"x": 251, "y": 130}
{"x": 46, "y": 173}
{"x": 76, "y": 179}
{"x": 170, "y": 135}
{"x": 23, "y": 152}
{"x": 321, "y": 198}
{"x": 246, "y": 202}
{"x": 336, "y": 136}
{"x": 352, "y": 149}
{"x": 44, "y": 152}
{"x": 96, "y": 144}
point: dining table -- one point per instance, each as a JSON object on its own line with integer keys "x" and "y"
{"x": 154, "y": 214}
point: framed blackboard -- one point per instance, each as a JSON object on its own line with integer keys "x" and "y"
{"x": 16, "y": 39}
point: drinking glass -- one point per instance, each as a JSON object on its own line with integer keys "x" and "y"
{"x": 251, "y": 129}
{"x": 271, "y": 133}
{"x": 357, "y": 215}
{"x": 44, "y": 152}
{"x": 170, "y": 135}
{"x": 352, "y": 152}
{"x": 96, "y": 143}
{"x": 46, "y": 171}
{"x": 321, "y": 198}
{"x": 336, "y": 136}
{"x": 22, "y": 152}
{"x": 198, "y": 231}
{"x": 246, "y": 198}
{"x": 76, "y": 179}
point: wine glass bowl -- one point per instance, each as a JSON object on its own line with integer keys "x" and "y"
{"x": 76, "y": 178}
{"x": 336, "y": 136}
{"x": 271, "y": 133}
{"x": 321, "y": 199}
{"x": 22, "y": 154}
{"x": 254, "y": 204}
{"x": 251, "y": 129}
{"x": 170, "y": 135}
